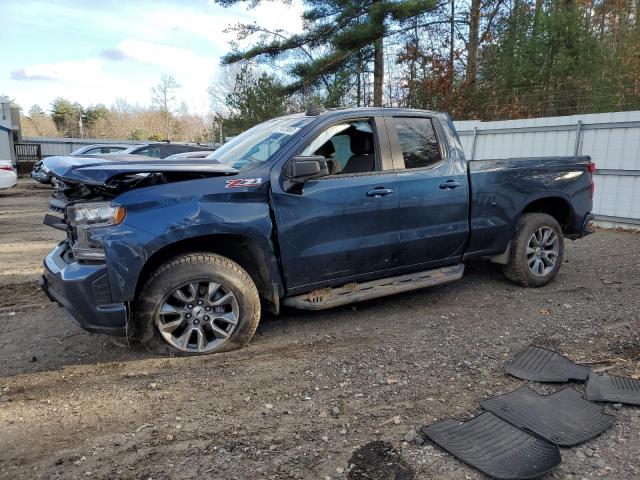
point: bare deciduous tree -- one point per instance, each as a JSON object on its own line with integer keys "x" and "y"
{"x": 163, "y": 98}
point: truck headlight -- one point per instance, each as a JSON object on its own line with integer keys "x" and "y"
{"x": 95, "y": 214}
{"x": 83, "y": 217}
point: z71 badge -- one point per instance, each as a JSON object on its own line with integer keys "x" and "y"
{"x": 243, "y": 182}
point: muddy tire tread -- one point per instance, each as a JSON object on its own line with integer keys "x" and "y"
{"x": 250, "y": 308}
{"x": 517, "y": 270}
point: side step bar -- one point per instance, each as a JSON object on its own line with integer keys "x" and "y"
{"x": 357, "y": 292}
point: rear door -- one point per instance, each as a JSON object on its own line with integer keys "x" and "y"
{"x": 340, "y": 227}
{"x": 433, "y": 192}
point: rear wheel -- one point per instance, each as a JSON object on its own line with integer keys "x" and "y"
{"x": 537, "y": 250}
{"x": 197, "y": 303}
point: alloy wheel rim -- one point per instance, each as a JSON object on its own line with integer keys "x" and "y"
{"x": 542, "y": 251}
{"x": 198, "y": 316}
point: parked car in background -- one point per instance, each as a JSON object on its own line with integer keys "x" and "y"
{"x": 102, "y": 149}
{"x": 153, "y": 150}
{"x": 191, "y": 155}
{"x": 165, "y": 149}
{"x": 8, "y": 175}
{"x": 43, "y": 176}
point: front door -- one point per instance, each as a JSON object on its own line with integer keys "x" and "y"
{"x": 433, "y": 194}
{"x": 334, "y": 229}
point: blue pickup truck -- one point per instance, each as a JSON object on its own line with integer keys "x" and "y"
{"x": 311, "y": 210}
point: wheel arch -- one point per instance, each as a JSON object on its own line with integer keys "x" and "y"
{"x": 241, "y": 249}
{"x": 556, "y": 206}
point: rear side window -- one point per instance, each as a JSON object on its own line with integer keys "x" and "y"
{"x": 418, "y": 142}
{"x": 171, "y": 150}
{"x": 151, "y": 151}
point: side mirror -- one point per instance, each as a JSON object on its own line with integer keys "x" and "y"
{"x": 301, "y": 169}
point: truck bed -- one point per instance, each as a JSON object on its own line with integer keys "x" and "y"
{"x": 500, "y": 190}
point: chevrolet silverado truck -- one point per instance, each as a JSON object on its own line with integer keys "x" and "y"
{"x": 312, "y": 211}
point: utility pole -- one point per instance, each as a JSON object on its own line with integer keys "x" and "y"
{"x": 453, "y": 11}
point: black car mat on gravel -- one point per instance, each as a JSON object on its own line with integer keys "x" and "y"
{"x": 542, "y": 365}
{"x": 613, "y": 389}
{"x": 563, "y": 418}
{"x": 495, "y": 447}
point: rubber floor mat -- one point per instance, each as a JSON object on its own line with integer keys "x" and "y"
{"x": 613, "y": 389}
{"x": 563, "y": 418}
{"x": 495, "y": 447}
{"x": 541, "y": 365}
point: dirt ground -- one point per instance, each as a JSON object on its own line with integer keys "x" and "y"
{"x": 311, "y": 387}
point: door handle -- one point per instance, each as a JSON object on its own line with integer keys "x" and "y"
{"x": 450, "y": 184}
{"x": 379, "y": 192}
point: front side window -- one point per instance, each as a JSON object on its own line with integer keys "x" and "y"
{"x": 418, "y": 142}
{"x": 349, "y": 147}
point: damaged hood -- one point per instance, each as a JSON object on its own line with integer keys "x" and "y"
{"x": 103, "y": 171}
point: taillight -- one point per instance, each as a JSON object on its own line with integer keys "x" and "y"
{"x": 591, "y": 167}
{"x": 8, "y": 168}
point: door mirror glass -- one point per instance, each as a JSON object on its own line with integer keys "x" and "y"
{"x": 303, "y": 168}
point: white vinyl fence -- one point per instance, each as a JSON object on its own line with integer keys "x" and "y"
{"x": 64, "y": 146}
{"x": 611, "y": 139}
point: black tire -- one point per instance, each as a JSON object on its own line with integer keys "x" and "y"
{"x": 518, "y": 269}
{"x": 193, "y": 268}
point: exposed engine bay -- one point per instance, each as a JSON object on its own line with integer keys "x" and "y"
{"x": 83, "y": 194}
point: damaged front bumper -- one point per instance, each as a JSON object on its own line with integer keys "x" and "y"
{"x": 83, "y": 290}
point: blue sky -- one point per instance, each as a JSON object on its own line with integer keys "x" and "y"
{"x": 95, "y": 51}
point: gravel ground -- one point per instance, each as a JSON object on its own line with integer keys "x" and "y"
{"x": 312, "y": 387}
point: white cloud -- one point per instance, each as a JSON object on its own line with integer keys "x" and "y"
{"x": 206, "y": 26}
{"x": 167, "y": 56}
{"x": 121, "y": 49}
{"x": 211, "y": 25}
{"x": 61, "y": 71}
{"x": 192, "y": 71}
{"x": 278, "y": 15}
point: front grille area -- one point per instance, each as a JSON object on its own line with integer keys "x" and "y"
{"x": 101, "y": 290}
{"x": 57, "y": 205}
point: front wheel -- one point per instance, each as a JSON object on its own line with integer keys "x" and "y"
{"x": 197, "y": 303}
{"x": 537, "y": 250}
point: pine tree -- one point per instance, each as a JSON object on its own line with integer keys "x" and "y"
{"x": 347, "y": 32}
{"x": 67, "y": 116}
{"x": 255, "y": 98}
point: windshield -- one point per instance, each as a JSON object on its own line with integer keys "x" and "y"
{"x": 259, "y": 143}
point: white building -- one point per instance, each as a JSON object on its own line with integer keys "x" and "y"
{"x": 6, "y": 130}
